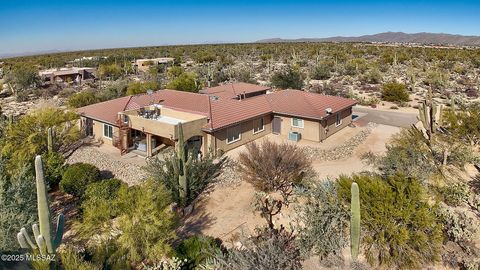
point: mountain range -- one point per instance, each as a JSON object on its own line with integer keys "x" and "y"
{"x": 393, "y": 37}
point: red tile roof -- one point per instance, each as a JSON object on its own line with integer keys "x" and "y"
{"x": 234, "y": 89}
{"x": 224, "y": 111}
{"x": 306, "y": 104}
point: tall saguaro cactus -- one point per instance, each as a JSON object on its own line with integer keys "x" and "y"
{"x": 182, "y": 164}
{"x": 45, "y": 244}
{"x": 428, "y": 115}
{"x": 50, "y": 140}
{"x": 355, "y": 221}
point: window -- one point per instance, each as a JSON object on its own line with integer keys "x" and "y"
{"x": 297, "y": 122}
{"x": 233, "y": 134}
{"x": 338, "y": 121}
{"x": 258, "y": 125}
{"x": 107, "y": 131}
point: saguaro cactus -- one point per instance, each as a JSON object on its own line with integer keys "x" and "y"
{"x": 428, "y": 115}
{"x": 50, "y": 140}
{"x": 182, "y": 164}
{"x": 45, "y": 244}
{"x": 355, "y": 221}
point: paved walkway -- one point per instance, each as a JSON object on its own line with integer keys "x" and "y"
{"x": 389, "y": 118}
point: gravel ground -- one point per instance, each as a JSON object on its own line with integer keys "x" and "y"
{"x": 125, "y": 171}
{"x": 342, "y": 151}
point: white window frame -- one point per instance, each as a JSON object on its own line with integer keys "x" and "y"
{"x": 254, "y": 125}
{"x": 103, "y": 131}
{"x": 239, "y": 134}
{"x": 338, "y": 116}
{"x": 299, "y": 126}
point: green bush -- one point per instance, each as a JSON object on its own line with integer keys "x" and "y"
{"x": 72, "y": 260}
{"x": 197, "y": 249}
{"x": 456, "y": 194}
{"x": 135, "y": 88}
{"x": 289, "y": 78}
{"x": 99, "y": 204}
{"x": 325, "y": 220}
{"x": 76, "y": 178}
{"x": 81, "y": 99}
{"x": 55, "y": 166}
{"x": 322, "y": 72}
{"x": 399, "y": 228}
{"x": 395, "y": 92}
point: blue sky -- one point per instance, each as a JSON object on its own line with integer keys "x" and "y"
{"x": 27, "y": 26}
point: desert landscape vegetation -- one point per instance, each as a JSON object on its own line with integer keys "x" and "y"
{"x": 398, "y": 188}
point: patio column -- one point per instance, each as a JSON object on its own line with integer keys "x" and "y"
{"x": 149, "y": 145}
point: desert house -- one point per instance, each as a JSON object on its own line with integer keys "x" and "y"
{"x": 219, "y": 118}
{"x": 75, "y": 74}
{"x": 144, "y": 64}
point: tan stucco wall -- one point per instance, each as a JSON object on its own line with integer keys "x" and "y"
{"x": 328, "y": 127}
{"x": 220, "y": 140}
{"x": 310, "y": 130}
{"x": 98, "y": 132}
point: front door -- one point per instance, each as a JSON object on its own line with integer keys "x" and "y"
{"x": 276, "y": 125}
{"x": 88, "y": 127}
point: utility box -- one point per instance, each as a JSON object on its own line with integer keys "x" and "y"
{"x": 294, "y": 136}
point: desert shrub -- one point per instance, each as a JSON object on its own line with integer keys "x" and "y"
{"x": 18, "y": 202}
{"x": 464, "y": 124}
{"x": 373, "y": 76}
{"x": 141, "y": 215}
{"x": 200, "y": 173}
{"x": 77, "y": 176}
{"x": 268, "y": 251}
{"x": 399, "y": 228}
{"x": 321, "y": 72}
{"x": 100, "y": 205}
{"x": 110, "y": 71}
{"x": 135, "y": 88}
{"x": 82, "y": 99}
{"x": 168, "y": 264}
{"x": 325, "y": 220}
{"x": 27, "y": 137}
{"x": 456, "y": 194}
{"x": 147, "y": 222}
{"x": 197, "y": 249}
{"x": 274, "y": 167}
{"x": 405, "y": 153}
{"x": 289, "y": 78}
{"x": 395, "y": 92}
{"x": 186, "y": 81}
{"x": 54, "y": 166}
{"x": 458, "y": 227}
{"x": 73, "y": 260}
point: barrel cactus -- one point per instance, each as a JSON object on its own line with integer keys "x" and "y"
{"x": 44, "y": 242}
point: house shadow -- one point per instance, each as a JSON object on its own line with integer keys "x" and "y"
{"x": 106, "y": 174}
{"x": 195, "y": 222}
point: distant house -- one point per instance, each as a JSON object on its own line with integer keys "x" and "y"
{"x": 219, "y": 118}
{"x": 67, "y": 74}
{"x": 144, "y": 64}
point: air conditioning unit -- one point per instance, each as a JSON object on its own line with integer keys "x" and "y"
{"x": 294, "y": 136}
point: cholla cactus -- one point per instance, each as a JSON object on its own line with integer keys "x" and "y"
{"x": 45, "y": 244}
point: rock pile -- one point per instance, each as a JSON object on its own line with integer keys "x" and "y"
{"x": 343, "y": 151}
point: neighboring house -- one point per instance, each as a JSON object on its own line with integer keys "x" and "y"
{"x": 220, "y": 118}
{"x": 67, "y": 74}
{"x": 144, "y": 64}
